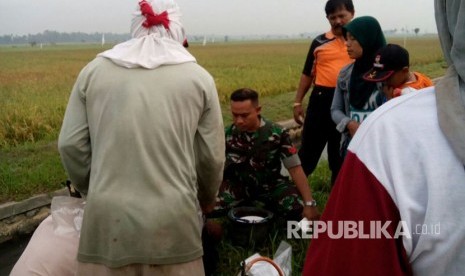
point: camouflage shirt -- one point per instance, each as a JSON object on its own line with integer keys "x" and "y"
{"x": 254, "y": 158}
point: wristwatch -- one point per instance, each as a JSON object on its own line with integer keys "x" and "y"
{"x": 311, "y": 203}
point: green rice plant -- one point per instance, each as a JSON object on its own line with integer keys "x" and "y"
{"x": 34, "y": 88}
{"x": 271, "y": 68}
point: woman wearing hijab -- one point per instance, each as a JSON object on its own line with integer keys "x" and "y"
{"x": 354, "y": 98}
{"x": 399, "y": 199}
{"x": 143, "y": 138}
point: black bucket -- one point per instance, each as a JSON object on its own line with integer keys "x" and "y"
{"x": 249, "y": 225}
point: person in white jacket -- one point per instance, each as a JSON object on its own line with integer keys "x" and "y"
{"x": 143, "y": 138}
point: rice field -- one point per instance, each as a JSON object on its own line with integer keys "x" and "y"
{"x": 35, "y": 83}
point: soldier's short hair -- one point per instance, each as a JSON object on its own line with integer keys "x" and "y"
{"x": 244, "y": 94}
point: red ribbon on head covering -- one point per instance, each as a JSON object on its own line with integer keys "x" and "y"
{"x": 151, "y": 18}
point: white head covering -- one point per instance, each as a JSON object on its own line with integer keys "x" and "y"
{"x": 153, "y": 46}
{"x": 450, "y": 90}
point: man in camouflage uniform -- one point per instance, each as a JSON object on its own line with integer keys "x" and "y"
{"x": 255, "y": 150}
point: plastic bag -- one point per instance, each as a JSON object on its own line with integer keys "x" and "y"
{"x": 257, "y": 265}
{"x": 67, "y": 213}
{"x": 283, "y": 257}
{"x": 53, "y": 247}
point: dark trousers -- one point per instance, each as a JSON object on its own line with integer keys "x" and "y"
{"x": 319, "y": 130}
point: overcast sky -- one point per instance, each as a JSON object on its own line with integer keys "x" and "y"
{"x": 207, "y": 17}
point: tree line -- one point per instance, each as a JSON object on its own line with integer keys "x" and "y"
{"x": 54, "y": 37}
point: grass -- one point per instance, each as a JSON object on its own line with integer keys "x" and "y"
{"x": 231, "y": 256}
{"x": 30, "y": 169}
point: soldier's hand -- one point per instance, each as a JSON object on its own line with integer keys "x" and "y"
{"x": 311, "y": 213}
{"x": 207, "y": 208}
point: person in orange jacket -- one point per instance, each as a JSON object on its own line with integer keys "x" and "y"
{"x": 391, "y": 68}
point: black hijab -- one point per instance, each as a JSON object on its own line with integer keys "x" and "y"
{"x": 369, "y": 35}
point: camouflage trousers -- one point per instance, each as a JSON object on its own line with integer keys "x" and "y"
{"x": 280, "y": 197}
